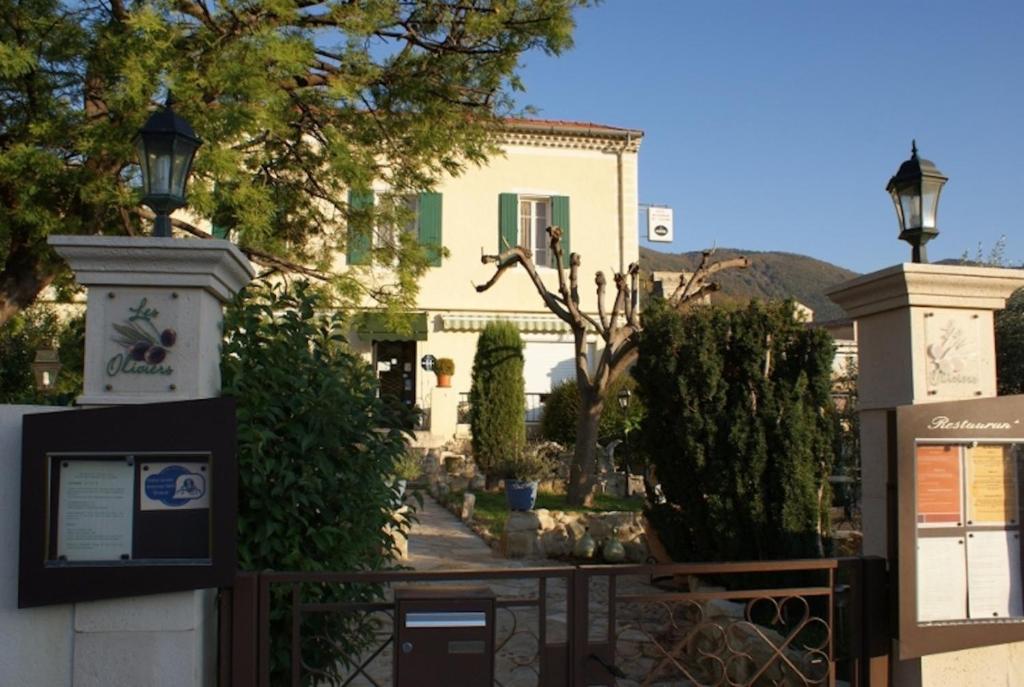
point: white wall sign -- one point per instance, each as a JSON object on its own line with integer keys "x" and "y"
{"x": 659, "y": 225}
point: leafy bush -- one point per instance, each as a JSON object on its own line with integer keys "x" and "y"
{"x": 316, "y": 451}
{"x": 739, "y": 428}
{"x": 561, "y": 411}
{"x": 497, "y": 398}
{"x": 20, "y": 338}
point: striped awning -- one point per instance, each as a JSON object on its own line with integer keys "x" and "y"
{"x": 530, "y": 324}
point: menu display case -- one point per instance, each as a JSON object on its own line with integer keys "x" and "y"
{"x": 128, "y": 500}
{"x": 958, "y": 559}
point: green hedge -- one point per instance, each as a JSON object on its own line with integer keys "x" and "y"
{"x": 1009, "y": 332}
{"x": 739, "y": 428}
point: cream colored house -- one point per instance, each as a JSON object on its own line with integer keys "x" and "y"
{"x": 580, "y": 176}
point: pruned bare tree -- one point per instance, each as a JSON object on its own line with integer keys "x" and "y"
{"x": 617, "y": 329}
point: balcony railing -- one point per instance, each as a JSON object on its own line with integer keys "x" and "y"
{"x": 534, "y": 407}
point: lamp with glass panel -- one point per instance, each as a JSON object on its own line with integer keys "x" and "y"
{"x": 915, "y": 192}
{"x": 167, "y": 146}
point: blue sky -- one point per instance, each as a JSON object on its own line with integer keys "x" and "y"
{"x": 775, "y": 125}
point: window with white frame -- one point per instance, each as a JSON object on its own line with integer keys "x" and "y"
{"x": 534, "y": 219}
{"x": 389, "y": 234}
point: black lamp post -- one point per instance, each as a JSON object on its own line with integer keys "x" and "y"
{"x": 167, "y": 146}
{"x": 624, "y": 398}
{"x": 915, "y": 193}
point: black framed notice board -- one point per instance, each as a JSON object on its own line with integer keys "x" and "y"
{"x": 130, "y": 500}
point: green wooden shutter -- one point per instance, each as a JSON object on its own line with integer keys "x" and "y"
{"x": 508, "y": 221}
{"x": 560, "y": 218}
{"x": 430, "y": 226}
{"x": 358, "y": 248}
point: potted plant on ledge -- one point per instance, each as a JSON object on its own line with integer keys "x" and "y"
{"x": 444, "y": 368}
{"x": 522, "y": 474}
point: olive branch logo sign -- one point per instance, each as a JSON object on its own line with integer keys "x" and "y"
{"x": 146, "y": 346}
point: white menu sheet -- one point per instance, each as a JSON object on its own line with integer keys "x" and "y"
{"x": 941, "y": 579}
{"x": 993, "y": 571}
{"x": 94, "y": 510}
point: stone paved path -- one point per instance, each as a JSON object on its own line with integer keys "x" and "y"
{"x": 440, "y": 541}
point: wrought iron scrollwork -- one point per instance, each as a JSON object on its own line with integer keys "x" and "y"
{"x": 767, "y": 641}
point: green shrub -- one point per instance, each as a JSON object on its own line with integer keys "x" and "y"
{"x": 739, "y": 428}
{"x": 561, "y": 410}
{"x": 497, "y": 398}
{"x": 25, "y": 333}
{"x": 316, "y": 452}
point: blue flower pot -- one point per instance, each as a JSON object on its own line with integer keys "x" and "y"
{"x": 520, "y": 494}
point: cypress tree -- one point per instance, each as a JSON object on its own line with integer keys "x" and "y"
{"x": 739, "y": 430}
{"x": 497, "y": 398}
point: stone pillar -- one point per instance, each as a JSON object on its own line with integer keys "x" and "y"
{"x": 153, "y": 333}
{"x": 925, "y": 334}
{"x": 444, "y": 413}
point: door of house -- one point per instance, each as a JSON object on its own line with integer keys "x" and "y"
{"x": 396, "y": 369}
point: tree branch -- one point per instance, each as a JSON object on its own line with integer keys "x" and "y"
{"x": 555, "y": 243}
{"x": 690, "y": 289}
{"x": 518, "y": 255}
{"x": 258, "y": 256}
{"x": 600, "y": 281}
{"x": 631, "y": 305}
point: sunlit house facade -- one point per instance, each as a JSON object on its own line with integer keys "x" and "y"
{"x": 579, "y": 176}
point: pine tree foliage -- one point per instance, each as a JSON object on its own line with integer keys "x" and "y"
{"x": 297, "y": 102}
{"x": 497, "y": 398}
{"x": 739, "y": 430}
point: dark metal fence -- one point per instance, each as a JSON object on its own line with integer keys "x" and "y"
{"x": 759, "y": 623}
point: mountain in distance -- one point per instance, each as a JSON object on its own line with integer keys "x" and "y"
{"x": 772, "y": 275}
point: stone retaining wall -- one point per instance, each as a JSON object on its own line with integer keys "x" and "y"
{"x": 553, "y": 534}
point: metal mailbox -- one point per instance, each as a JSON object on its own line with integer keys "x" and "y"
{"x": 444, "y": 637}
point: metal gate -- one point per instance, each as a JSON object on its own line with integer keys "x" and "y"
{"x": 807, "y": 622}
